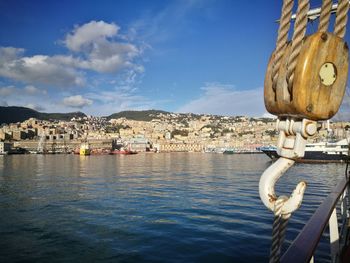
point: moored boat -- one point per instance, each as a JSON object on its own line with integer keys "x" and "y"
{"x": 122, "y": 151}
{"x": 229, "y": 151}
{"x": 317, "y": 152}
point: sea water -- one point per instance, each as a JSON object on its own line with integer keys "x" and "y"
{"x": 165, "y": 207}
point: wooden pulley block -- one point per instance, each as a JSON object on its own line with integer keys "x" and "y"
{"x": 319, "y": 83}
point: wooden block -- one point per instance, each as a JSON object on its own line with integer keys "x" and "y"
{"x": 316, "y": 93}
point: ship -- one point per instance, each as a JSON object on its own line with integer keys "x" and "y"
{"x": 327, "y": 151}
{"x": 122, "y": 150}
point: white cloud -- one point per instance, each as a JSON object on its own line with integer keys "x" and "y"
{"x": 77, "y": 101}
{"x": 94, "y": 46}
{"x": 35, "y": 107}
{"x": 119, "y": 99}
{"x": 27, "y": 90}
{"x": 36, "y": 69}
{"x": 31, "y": 90}
{"x": 101, "y": 51}
{"x": 3, "y": 103}
{"x": 269, "y": 115}
{"x": 9, "y": 54}
{"x": 7, "y": 91}
{"x": 28, "y": 96}
{"x": 87, "y": 34}
{"x": 225, "y": 100}
{"x": 166, "y": 23}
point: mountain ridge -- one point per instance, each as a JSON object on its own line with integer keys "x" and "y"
{"x": 142, "y": 115}
{"x": 13, "y": 114}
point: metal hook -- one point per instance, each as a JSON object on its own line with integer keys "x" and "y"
{"x": 267, "y": 187}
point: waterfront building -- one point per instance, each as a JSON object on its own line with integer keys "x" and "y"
{"x": 19, "y": 135}
{"x": 4, "y": 136}
{"x": 5, "y": 147}
{"x": 31, "y": 133}
{"x": 139, "y": 144}
{"x": 180, "y": 147}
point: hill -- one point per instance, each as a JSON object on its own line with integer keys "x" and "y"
{"x": 15, "y": 114}
{"x": 145, "y": 115}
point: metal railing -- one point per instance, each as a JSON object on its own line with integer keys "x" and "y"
{"x": 303, "y": 247}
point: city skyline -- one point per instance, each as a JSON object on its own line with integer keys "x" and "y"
{"x": 179, "y": 56}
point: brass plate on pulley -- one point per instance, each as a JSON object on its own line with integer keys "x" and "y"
{"x": 328, "y": 74}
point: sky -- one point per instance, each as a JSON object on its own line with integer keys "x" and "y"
{"x": 102, "y": 57}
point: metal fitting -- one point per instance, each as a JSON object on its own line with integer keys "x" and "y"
{"x": 290, "y": 146}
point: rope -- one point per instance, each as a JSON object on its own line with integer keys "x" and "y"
{"x": 325, "y": 15}
{"x": 342, "y": 18}
{"x": 299, "y": 33}
{"x": 278, "y": 230}
{"x": 282, "y": 38}
{"x": 281, "y": 220}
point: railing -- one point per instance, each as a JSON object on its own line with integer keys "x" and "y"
{"x": 303, "y": 247}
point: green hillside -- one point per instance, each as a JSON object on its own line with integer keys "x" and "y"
{"x": 15, "y": 114}
{"x": 146, "y": 115}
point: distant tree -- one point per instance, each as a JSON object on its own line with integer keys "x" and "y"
{"x": 179, "y": 132}
{"x": 271, "y": 133}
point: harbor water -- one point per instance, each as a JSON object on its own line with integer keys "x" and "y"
{"x": 166, "y": 207}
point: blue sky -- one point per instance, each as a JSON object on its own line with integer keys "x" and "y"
{"x": 102, "y": 57}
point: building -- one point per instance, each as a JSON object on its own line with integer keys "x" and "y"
{"x": 19, "y": 135}
{"x": 139, "y": 144}
{"x": 4, "y": 136}
{"x": 180, "y": 147}
{"x": 4, "y": 147}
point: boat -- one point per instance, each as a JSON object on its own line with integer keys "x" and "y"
{"x": 99, "y": 151}
{"x": 84, "y": 149}
{"x": 335, "y": 151}
{"x": 122, "y": 151}
{"x": 248, "y": 151}
{"x": 229, "y": 151}
{"x": 269, "y": 150}
{"x": 214, "y": 150}
{"x": 17, "y": 150}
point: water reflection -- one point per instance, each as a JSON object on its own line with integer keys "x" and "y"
{"x": 83, "y": 162}
{"x": 2, "y": 158}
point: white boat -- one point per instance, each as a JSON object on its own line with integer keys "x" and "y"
{"x": 319, "y": 152}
